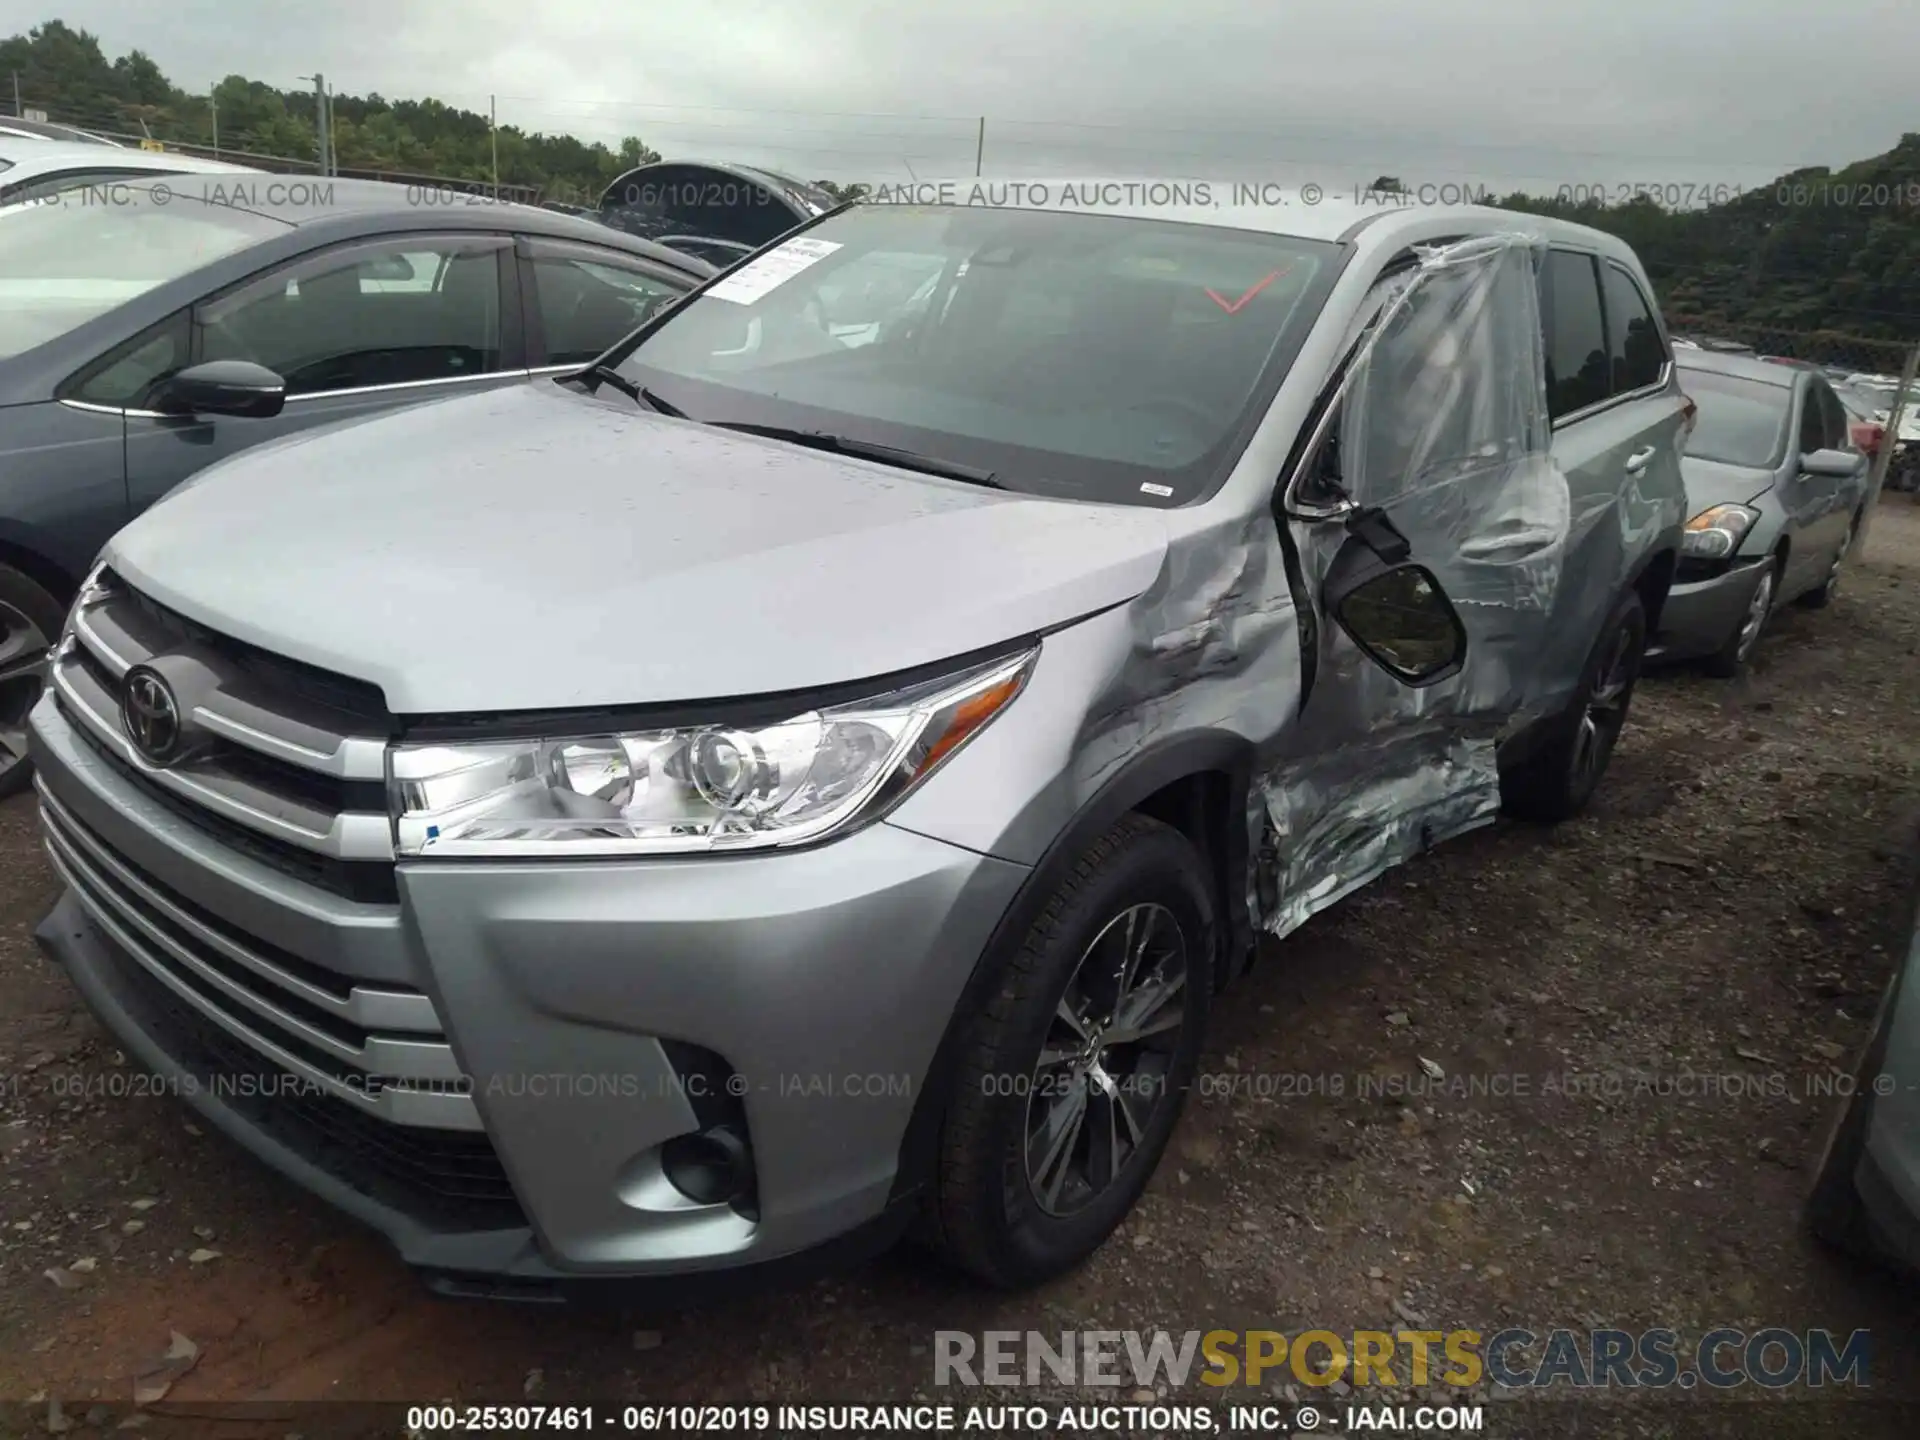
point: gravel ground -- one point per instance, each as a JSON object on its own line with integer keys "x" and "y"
{"x": 1726, "y": 909}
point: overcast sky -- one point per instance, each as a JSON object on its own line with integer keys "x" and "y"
{"x": 1502, "y": 92}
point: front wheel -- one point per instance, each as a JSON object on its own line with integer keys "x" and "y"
{"x": 1820, "y": 598}
{"x": 30, "y": 621}
{"x": 1075, "y": 1071}
{"x": 1557, "y": 780}
{"x": 1732, "y": 657}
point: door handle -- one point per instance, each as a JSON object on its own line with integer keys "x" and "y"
{"x": 1637, "y": 461}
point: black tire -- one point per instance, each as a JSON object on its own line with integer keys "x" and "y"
{"x": 1733, "y": 657}
{"x": 1833, "y": 1211}
{"x": 1821, "y": 598}
{"x": 983, "y": 1212}
{"x": 30, "y": 621}
{"x": 1557, "y": 780}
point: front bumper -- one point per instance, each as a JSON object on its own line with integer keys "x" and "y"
{"x": 1699, "y": 615}
{"x": 569, "y": 995}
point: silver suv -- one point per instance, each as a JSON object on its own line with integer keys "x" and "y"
{"x": 814, "y": 770}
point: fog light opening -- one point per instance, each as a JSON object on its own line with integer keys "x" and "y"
{"x": 711, "y": 1167}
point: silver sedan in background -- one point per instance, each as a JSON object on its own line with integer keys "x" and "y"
{"x": 1776, "y": 491}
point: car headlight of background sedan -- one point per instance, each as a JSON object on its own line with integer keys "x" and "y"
{"x": 687, "y": 789}
{"x": 1716, "y": 533}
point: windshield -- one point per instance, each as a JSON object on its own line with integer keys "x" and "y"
{"x": 74, "y": 254}
{"x": 1104, "y": 358}
{"x": 1740, "y": 421}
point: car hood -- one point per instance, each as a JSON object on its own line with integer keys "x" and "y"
{"x": 534, "y": 548}
{"x": 1712, "y": 482}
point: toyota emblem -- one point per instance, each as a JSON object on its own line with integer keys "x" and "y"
{"x": 151, "y": 714}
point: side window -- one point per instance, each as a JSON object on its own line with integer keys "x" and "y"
{"x": 1638, "y": 355}
{"x": 1839, "y": 432}
{"x": 1577, "y": 362}
{"x": 362, "y": 315}
{"x": 591, "y": 299}
{"x": 125, "y": 375}
{"x": 1813, "y": 421}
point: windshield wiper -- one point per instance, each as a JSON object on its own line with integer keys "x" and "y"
{"x": 639, "y": 394}
{"x": 867, "y": 450}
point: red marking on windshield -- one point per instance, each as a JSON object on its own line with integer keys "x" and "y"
{"x": 1232, "y": 307}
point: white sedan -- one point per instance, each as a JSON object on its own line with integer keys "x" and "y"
{"x": 28, "y": 164}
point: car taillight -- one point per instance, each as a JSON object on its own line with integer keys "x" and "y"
{"x": 1689, "y": 412}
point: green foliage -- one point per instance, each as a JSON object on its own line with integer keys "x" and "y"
{"x": 1818, "y": 250}
{"x": 64, "y": 72}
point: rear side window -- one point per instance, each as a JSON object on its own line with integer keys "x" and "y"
{"x": 1637, "y": 354}
{"x": 1578, "y": 366}
{"x": 590, "y": 300}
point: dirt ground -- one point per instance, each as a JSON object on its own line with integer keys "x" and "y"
{"x": 1727, "y": 909}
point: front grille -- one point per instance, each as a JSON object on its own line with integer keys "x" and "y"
{"x": 371, "y": 882}
{"x": 286, "y": 768}
{"x": 447, "y": 1179}
{"x": 378, "y": 1048}
{"x": 286, "y": 762}
{"x": 355, "y": 702}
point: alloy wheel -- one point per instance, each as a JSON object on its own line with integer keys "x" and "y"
{"x": 1758, "y": 608}
{"x": 1103, "y": 1068}
{"x": 1840, "y": 556}
{"x": 23, "y": 667}
{"x": 1606, "y": 709}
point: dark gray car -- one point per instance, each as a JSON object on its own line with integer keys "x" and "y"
{"x": 148, "y": 329}
{"x": 1775, "y": 490}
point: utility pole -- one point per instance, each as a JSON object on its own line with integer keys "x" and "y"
{"x": 980, "y": 146}
{"x": 1903, "y": 402}
{"x": 319, "y": 119}
{"x": 322, "y": 121}
{"x": 493, "y": 136}
{"x": 213, "y": 110}
{"x": 18, "y": 113}
{"x": 333, "y": 160}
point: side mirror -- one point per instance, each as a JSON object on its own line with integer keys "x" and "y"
{"x": 223, "y": 387}
{"x": 1399, "y": 615}
{"x": 1830, "y": 462}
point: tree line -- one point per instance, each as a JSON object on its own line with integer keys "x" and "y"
{"x": 1833, "y": 251}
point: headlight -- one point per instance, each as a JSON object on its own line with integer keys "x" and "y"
{"x": 692, "y": 788}
{"x": 1715, "y": 534}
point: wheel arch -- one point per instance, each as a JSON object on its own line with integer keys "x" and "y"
{"x": 45, "y": 573}
{"x": 1198, "y": 785}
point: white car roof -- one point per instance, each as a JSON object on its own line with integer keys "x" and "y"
{"x": 30, "y": 159}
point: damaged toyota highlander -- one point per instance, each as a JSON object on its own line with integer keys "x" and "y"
{"x": 808, "y": 775}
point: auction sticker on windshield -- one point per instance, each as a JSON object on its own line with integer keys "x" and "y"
{"x": 779, "y": 265}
